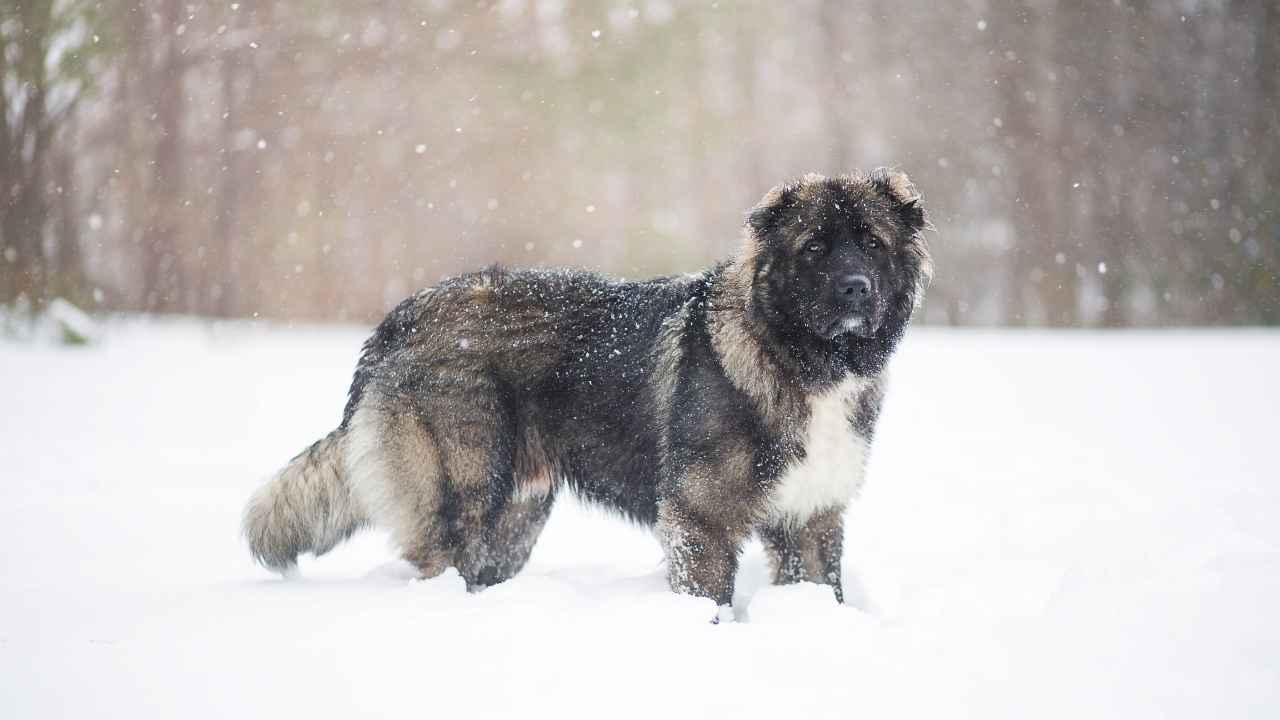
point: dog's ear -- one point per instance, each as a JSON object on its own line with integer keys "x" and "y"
{"x": 896, "y": 186}
{"x": 771, "y": 212}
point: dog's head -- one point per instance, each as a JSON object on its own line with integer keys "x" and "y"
{"x": 841, "y": 256}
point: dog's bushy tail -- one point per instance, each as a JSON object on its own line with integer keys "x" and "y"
{"x": 306, "y": 507}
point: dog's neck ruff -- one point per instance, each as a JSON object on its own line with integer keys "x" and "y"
{"x": 737, "y": 340}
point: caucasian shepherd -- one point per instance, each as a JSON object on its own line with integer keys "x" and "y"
{"x": 740, "y": 400}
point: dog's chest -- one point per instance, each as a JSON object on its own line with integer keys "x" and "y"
{"x": 831, "y": 469}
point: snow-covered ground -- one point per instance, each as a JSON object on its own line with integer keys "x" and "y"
{"x": 1055, "y": 525}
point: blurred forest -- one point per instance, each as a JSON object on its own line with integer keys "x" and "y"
{"x": 1095, "y": 163}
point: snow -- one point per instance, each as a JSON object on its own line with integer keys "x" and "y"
{"x": 1053, "y": 526}
{"x": 74, "y": 325}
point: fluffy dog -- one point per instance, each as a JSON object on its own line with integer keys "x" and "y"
{"x": 710, "y": 407}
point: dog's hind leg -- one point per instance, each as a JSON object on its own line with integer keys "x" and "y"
{"x": 395, "y": 468}
{"x": 513, "y": 531}
{"x": 437, "y": 467}
{"x": 474, "y": 433}
{"x": 517, "y": 521}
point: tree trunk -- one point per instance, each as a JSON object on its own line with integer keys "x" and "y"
{"x": 161, "y": 267}
{"x": 67, "y": 273}
{"x": 833, "y": 15}
{"x": 22, "y": 203}
{"x": 1025, "y": 265}
{"x": 224, "y": 261}
{"x": 8, "y": 171}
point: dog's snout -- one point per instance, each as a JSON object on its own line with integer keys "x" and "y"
{"x": 854, "y": 287}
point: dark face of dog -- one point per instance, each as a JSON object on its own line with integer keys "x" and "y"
{"x": 841, "y": 256}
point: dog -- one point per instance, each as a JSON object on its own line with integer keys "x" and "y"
{"x": 741, "y": 400}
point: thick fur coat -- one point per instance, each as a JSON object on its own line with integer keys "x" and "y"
{"x": 738, "y": 401}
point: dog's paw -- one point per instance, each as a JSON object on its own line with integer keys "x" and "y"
{"x": 724, "y": 613}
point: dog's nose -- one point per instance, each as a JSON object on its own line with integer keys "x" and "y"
{"x": 854, "y": 288}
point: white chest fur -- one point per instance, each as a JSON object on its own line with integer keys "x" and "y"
{"x": 831, "y": 470}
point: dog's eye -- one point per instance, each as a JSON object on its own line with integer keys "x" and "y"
{"x": 815, "y": 247}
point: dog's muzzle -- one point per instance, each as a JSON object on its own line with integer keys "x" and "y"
{"x": 857, "y": 307}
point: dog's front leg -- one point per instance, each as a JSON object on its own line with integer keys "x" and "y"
{"x": 702, "y": 555}
{"x": 809, "y": 552}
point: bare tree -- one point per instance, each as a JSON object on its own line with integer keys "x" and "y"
{"x": 46, "y": 54}
{"x": 162, "y": 278}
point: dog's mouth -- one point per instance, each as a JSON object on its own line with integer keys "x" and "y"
{"x": 858, "y": 324}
